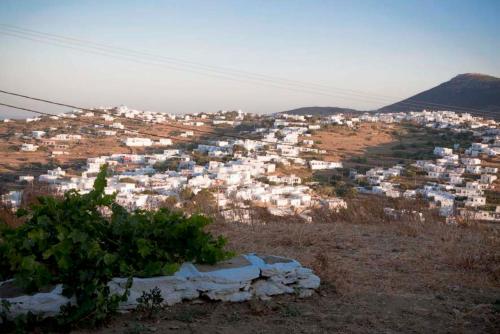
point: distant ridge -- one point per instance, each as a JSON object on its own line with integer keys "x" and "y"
{"x": 320, "y": 111}
{"x": 474, "y": 93}
{"x": 464, "y": 92}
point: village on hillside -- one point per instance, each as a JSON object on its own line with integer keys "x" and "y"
{"x": 273, "y": 164}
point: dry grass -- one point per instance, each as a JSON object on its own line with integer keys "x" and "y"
{"x": 378, "y": 275}
{"x": 334, "y": 139}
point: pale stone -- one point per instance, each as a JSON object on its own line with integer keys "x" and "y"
{"x": 273, "y": 265}
{"x": 239, "y": 296}
{"x": 235, "y": 280}
{"x": 311, "y": 282}
{"x": 238, "y": 269}
{"x": 269, "y": 288}
{"x": 305, "y": 293}
{"x": 43, "y": 304}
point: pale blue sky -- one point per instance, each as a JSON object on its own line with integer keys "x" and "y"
{"x": 391, "y": 48}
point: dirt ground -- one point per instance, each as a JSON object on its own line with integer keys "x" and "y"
{"x": 376, "y": 278}
{"x": 91, "y": 145}
{"x": 342, "y": 141}
{"x": 14, "y": 163}
{"x": 379, "y": 144}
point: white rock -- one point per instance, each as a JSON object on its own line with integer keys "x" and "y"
{"x": 276, "y": 267}
{"x": 246, "y": 271}
{"x": 43, "y": 304}
{"x": 239, "y": 296}
{"x": 305, "y": 293}
{"x": 263, "y": 288}
{"x": 311, "y": 282}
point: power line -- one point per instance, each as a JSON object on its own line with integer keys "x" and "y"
{"x": 149, "y": 133}
{"x": 217, "y": 75}
{"x": 177, "y": 61}
{"x": 211, "y": 67}
{"x": 128, "y": 119}
{"x": 172, "y": 67}
{"x": 142, "y": 132}
{"x": 90, "y": 123}
{"x": 132, "y": 55}
{"x": 239, "y": 137}
{"x": 172, "y": 59}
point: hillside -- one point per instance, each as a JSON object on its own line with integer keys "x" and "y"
{"x": 478, "y": 92}
{"x": 320, "y": 111}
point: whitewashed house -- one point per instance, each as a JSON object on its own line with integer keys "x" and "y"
{"x": 442, "y": 151}
{"x": 26, "y": 178}
{"x": 164, "y": 142}
{"x": 319, "y": 165}
{"x": 28, "y": 147}
{"x": 475, "y": 201}
{"x": 38, "y": 134}
{"x": 138, "y": 142}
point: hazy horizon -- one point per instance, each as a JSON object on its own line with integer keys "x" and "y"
{"x": 388, "y": 49}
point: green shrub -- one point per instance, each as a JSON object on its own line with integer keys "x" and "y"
{"x": 344, "y": 190}
{"x": 71, "y": 241}
{"x": 150, "y": 303}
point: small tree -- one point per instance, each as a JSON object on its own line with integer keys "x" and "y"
{"x": 70, "y": 241}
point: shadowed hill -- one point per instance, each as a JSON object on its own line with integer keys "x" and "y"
{"x": 321, "y": 111}
{"x": 464, "y": 92}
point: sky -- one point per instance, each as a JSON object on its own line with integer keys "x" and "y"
{"x": 357, "y": 54}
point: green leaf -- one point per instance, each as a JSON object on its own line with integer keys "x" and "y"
{"x": 143, "y": 247}
{"x": 170, "y": 268}
{"x": 109, "y": 259}
{"x": 78, "y": 236}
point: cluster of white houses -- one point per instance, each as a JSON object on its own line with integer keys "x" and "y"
{"x": 244, "y": 170}
{"x": 235, "y": 181}
{"x": 457, "y": 181}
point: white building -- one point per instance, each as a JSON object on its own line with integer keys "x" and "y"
{"x": 475, "y": 201}
{"x": 164, "y": 142}
{"x": 318, "y": 164}
{"x": 442, "y": 151}
{"x": 38, "y": 134}
{"x": 28, "y": 147}
{"x": 138, "y": 142}
{"x": 26, "y": 178}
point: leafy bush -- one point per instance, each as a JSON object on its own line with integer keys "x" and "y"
{"x": 72, "y": 241}
{"x": 344, "y": 190}
{"x": 5, "y": 271}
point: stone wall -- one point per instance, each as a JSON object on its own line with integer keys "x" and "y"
{"x": 239, "y": 279}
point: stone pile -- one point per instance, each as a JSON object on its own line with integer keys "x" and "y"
{"x": 239, "y": 279}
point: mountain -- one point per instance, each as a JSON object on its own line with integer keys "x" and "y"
{"x": 477, "y": 94}
{"x": 321, "y": 111}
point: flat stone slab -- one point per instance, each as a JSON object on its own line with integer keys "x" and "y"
{"x": 271, "y": 259}
{"x": 235, "y": 262}
{"x": 238, "y": 279}
{"x": 238, "y": 269}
